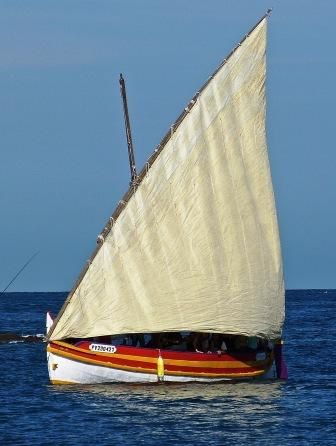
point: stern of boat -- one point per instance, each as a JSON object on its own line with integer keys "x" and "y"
{"x": 279, "y": 361}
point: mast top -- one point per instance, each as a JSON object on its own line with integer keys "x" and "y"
{"x": 131, "y": 156}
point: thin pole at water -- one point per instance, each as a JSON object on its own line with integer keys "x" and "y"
{"x": 19, "y": 272}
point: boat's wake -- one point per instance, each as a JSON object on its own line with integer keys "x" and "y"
{"x": 16, "y": 338}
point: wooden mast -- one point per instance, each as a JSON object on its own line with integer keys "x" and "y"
{"x": 131, "y": 156}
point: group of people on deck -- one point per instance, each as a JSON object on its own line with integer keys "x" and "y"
{"x": 192, "y": 342}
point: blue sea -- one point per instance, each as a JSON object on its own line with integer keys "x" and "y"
{"x": 300, "y": 411}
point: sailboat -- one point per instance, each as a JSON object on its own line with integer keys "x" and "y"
{"x": 186, "y": 281}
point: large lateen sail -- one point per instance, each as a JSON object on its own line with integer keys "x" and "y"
{"x": 196, "y": 245}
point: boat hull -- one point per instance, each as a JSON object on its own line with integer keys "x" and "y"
{"x": 69, "y": 364}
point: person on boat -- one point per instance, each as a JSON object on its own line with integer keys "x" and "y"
{"x": 102, "y": 339}
{"x": 117, "y": 340}
{"x": 137, "y": 339}
{"x": 265, "y": 345}
{"x": 252, "y": 343}
{"x": 154, "y": 341}
{"x": 240, "y": 343}
{"x": 181, "y": 346}
{"x": 169, "y": 340}
{"x": 217, "y": 343}
{"x": 201, "y": 342}
{"x": 175, "y": 341}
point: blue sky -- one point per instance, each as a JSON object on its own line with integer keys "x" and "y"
{"x": 63, "y": 159}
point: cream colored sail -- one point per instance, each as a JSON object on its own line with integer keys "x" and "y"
{"x": 196, "y": 247}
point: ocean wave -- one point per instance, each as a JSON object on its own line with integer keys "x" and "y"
{"x": 16, "y": 338}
